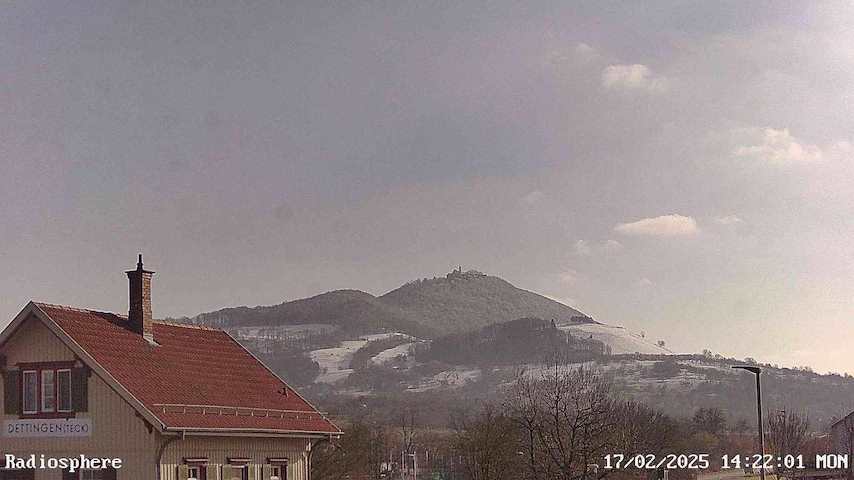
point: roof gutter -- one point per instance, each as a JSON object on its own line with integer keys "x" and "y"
{"x": 243, "y": 432}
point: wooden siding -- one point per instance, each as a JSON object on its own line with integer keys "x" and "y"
{"x": 219, "y": 449}
{"x": 117, "y": 432}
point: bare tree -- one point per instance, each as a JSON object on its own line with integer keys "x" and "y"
{"x": 407, "y": 425}
{"x": 487, "y": 445}
{"x": 787, "y": 432}
{"x": 359, "y": 454}
{"x": 569, "y": 419}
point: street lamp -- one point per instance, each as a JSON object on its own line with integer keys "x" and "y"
{"x": 756, "y": 371}
{"x": 414, "y": 465}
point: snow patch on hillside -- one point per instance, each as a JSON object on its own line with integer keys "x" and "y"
{"x": 618, "y": 338}
{"x": 335, "y": 362}
{"x": 392, "y": 353}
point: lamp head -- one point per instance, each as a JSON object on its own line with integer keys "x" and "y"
{"x": 750, "y": 368}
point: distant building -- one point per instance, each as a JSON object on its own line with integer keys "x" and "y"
{"x": 842, "y": 434}
{"x": 173, "y": 401}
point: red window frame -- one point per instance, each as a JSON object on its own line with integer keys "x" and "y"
{"x": 38, "y": 368}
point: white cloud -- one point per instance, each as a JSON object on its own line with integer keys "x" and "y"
{"x": 633, "y": 77}
{"x": 533, "y": 197}
{"x": 779, "y": 146}
{"x": 729, "y": 220}
{"x": 580, "y": 54}
{"x": 569, "y": 276}
{"x": 663, "y": 226}
{"x": 612, "y": 246}
{"x": 585, "y": 52}
{"x": 583, "y": 248}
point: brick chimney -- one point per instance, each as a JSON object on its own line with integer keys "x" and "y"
{"x": 139, "y": 313}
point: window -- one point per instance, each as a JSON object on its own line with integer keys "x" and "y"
{"x": 276, "y": 472}
{"x": 197, "y": 472}
{"x": 48, "y": 390}
{"x": 91, "y": 474}
{"x": 239, "y": 472}
{"x": 31, "y": 391}
{"x": 63, "y": 390}
{"x": 102, "y": 474}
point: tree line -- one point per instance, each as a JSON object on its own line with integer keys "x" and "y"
{"x": 554, "y": 422}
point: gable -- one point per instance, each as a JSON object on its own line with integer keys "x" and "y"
{"x": 33, "y": 342}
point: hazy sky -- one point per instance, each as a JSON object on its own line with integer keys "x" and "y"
{"x": 682, "y": 168}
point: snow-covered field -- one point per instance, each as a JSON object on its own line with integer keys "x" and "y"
{"x": 383, "y": 336}
{"x": 393, "y": 353}
{"x": 335, "y": 362}
{"x": 618, "y": 338}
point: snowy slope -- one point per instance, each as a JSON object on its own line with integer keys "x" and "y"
{"x": 618, "y": 338}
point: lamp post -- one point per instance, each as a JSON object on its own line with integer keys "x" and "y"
{"x": 414, "y": 465}
{"x": 756, "y": 371}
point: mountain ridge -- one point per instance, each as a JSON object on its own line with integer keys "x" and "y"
{"x": 459, "y": 301}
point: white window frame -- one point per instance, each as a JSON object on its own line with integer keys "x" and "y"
{"x": 24, "y": 396}
{"x": 51, "y": 391}
{"x": 59, "y": 398}
{"x": 276, "y": 472}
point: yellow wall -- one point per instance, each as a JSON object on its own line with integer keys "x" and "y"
{"x": 218, "y": 449}
{"x": 117, "y": 431}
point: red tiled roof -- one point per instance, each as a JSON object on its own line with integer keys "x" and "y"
{"x": 195, "y": 378}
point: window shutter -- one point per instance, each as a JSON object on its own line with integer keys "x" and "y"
{"x": 183, "y": 472}
{"x": 80, "y": 389}
{"x": 252, "y": 472}
{"x": 266, "y": 472}
{"x": 12, "y": 392}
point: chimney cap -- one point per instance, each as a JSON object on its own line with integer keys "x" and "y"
{"x": 139, "y": 267}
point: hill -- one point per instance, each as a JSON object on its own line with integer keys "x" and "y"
{"x": 350, "y": 311}
{"x": 465, "y": 301}
{"x": 458, "y": 302}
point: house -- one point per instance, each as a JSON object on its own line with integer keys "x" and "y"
{"x": 842, "y": 435}
{"x": 171, "y": 401}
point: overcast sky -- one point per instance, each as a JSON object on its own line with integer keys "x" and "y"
{"x": 682, "y": 168}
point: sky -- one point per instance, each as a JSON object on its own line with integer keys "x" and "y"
{"x": 680, "y": 168}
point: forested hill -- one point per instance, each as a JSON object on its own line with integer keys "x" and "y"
{"x": 458, "y": 302}
{"x": 466, "y": 301}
